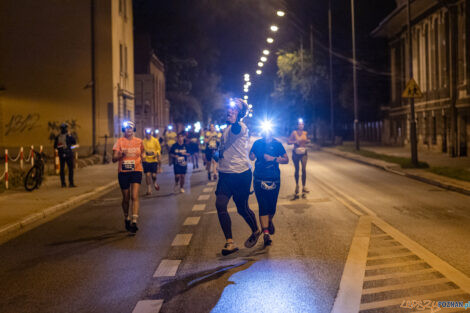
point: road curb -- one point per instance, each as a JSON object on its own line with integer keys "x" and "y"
{"x": 12, "y": 230}
{"x": 399, "y": 172}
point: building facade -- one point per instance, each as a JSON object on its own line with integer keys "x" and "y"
{"x": 440, "y": 32}
{"x": 65, "y": 61}
{"x": 151, "y": 107}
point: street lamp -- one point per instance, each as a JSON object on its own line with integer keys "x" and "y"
{"x": 274, "y": 28}
{"x": 266, "y": 52}
{"x": 263, "y": 59}
{"x": 248, "y": 84}
{"x": 245, "y": 97}
{"x": 270, "y": 40}
{"x": 247, "y": 78}
{"x": 258, "y": 72}
{"x": 260, "y": 64}
{"x": 280, "y": 13}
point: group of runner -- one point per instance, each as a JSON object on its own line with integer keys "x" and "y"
{"x": 228, "y": 151}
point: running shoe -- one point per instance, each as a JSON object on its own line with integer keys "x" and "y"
{"x": 182, "y": 190}
{"x": 305, "y": 190}
{"x": 215, "y": 176}
{"x": 271, "y": 228}
{"x": 157, "y": 186}
{"x": 127, "y": 224}
{"x": 133, "y": 228}
{"x": 297, "y": 189}
{"x": 253, "y": 239}
{"x": 229, "y": 248}
{"x": 267, "y": 240}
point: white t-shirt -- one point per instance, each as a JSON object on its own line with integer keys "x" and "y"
{"x": 235, "y": 151}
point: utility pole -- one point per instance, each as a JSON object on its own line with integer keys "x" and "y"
{"x": 93, "y": 82}
{"x": 356, "y": 118}
{"x": 332, "y": 118}
{"x": 414, "y": 146}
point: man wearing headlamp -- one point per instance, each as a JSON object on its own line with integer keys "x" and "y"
{"x": 235, "y": 176}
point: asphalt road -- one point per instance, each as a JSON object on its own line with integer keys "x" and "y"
{"x": 416, "y": 234}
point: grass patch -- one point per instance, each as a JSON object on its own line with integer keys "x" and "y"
{"x": 452, "y": 172}
{"x": 403, "y": 162}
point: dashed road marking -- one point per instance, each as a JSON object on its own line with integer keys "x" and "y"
{"x": 207, "y": 189}
{"x": 167, "y": 268}
{"x": 203, "y": 197}
{"x": 192, "y": 220}
{"x": 212, "y": 183}
{"x": 199, "y": 207}
{"x": 182, "y": 240}
{"x": 148, "y": 306}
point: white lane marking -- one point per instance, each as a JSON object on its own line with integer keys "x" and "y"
{"x": 459, "y": 278}
{"x": 203, "y": 197}
{"x": 208, "y": 189}
{"x": 414, "y": 284}
{"x": 390, "y": 256}
{"x": 212, "y": 183}
{"x": 391, "y": 265}
{"x": 167, "y": 268}
{"x": 199, "y": 207}
{"x": 399, "y": 275}
{"x": 397, "y": 301}
{"x": 148, "y": 306}
{"x": 229, "y": 210}
{"x": 192, "y": 220}
{"x": 182, "y": 240}
{"x": 350, "y": 288}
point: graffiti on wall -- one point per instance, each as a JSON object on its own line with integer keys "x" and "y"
{"x": 54, "y": 128}
{"x": 20, "y": 123}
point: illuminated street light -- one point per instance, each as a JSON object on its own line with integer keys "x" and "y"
{"x": 245, "y": 90}
{"x": 250, "y": 115}
{"x": 266, "y": 52}
{"x": 250, "y": 106}
{"x": 263, "y": 59}
{"x": 280, "y": 13}
{"x": 246, "y": 75}
{"x": 274, "y": 28}
{"x": 247, "y": 78}
{"x": 258, "y": 72}
{"x": 260, "y": 64}
{"x": 245, "y": 97}
{"x": 270, "y": 40}
{"x": 248, "y": 84}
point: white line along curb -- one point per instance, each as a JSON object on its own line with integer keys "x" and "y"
{"x": 167, "y": 268}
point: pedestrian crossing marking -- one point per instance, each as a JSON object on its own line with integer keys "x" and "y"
{"x": 167, "y": 268}
{"x": 192, "y": 220}
{"x": 182, "y": 240}
{"x": 148, "y": 306}
{"x": 203, "y": 197}
{"x": 208, "y": 189}
{"x": 199, "y": 207}
{"x": 412, "y": 90}
{"x": 212, "y": 183}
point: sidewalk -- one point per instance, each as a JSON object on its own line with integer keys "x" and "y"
{"x": 21, "y": 210}
{"x": 434, "y": 159}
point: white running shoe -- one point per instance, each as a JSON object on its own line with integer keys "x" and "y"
{"x": 182, "y": 190}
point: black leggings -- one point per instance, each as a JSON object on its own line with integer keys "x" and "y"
{"x": 302, "y": 158}
{"x": 267, "y": 199}
{"x": 238, "y": 186}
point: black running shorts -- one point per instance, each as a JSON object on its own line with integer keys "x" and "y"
{"x": 128, "y": 178}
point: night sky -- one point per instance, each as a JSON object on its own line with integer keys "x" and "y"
{"x": 227, "y": 37}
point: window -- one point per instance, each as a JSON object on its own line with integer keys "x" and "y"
{"x": 125, "y": 60}
{"x": 436, "y": 55}
{"x": 121, "y": 63}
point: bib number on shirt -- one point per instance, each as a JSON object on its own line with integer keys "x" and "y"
{"x": 128, "y": 165}
{"x": 212, "y": 144}
{"x": 181, "y": 161}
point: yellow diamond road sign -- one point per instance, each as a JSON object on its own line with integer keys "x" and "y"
{"x": 412, "y": 90}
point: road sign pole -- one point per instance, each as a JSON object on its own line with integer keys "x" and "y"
{"x": 413, "y": 142}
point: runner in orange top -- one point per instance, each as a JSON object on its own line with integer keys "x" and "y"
{"x": 129, "y": 151}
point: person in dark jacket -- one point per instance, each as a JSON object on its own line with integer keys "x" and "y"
{"x": 64, "y": 143}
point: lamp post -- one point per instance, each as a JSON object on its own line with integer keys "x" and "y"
{"x": 332, "y": 110}
{"x": 356, "y": 118}
{"x": 413, "y": 143}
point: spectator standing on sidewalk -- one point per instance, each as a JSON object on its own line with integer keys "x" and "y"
{"x": 268, "y": 153}
{"x": 129, "y": 152}
{"x": 64, "y": 143}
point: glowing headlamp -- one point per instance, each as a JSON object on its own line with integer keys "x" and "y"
{"x": 232, "y": 104}
{"x": 157, "y": 131}
{"x": 217, "y": 128}
{"x": 148, "y": 131}
{"x": 125, "y": 124}
{"x": 267, "y": 126}
{"x": 300, "y": 120}
{"x": 170, "y": 127}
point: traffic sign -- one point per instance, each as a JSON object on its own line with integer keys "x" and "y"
{"x": 412, "y": 90}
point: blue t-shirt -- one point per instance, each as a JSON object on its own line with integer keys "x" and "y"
{"x": 263, "y": 169}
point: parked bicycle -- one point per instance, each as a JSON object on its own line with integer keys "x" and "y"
{"x": 35, "y": 175}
